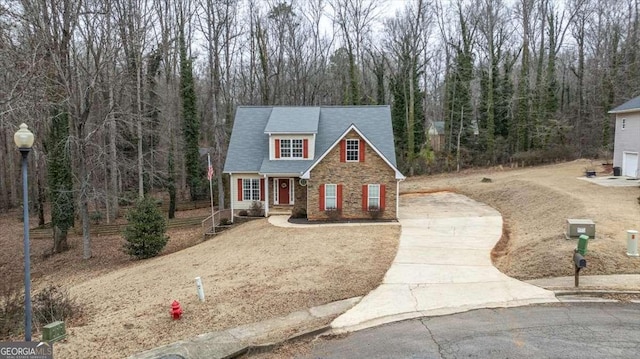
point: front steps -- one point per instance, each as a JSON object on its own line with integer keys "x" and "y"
{"x": 280, "y": 210}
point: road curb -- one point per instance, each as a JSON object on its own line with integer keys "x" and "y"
{"x": 267, "y": 347}
{"x": 593, "y": 292}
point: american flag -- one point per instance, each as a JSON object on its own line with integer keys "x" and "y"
{"x": 210, "y": 171}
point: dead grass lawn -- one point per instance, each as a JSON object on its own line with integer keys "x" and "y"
{"x": 250, "y": 273}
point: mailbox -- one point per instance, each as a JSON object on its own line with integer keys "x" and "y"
{"x": 579, "y": 263}
{"x": 579, "y": 260}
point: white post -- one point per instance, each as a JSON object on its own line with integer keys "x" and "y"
{"x": 232, "y": 190}
{"x": 397, "y": 199}
{"x": 210, "y": 175}
{"x": 632, "y": 243}
{"x": 266, "y": 196}
{"x": 200, "y": 289}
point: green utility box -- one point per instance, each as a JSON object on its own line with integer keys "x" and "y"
{"x": 53, "y": 332}
{"x": 583, "y": 240}
{"x": 578, "y": 227}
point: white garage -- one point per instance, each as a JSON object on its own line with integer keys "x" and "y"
{"x": 630, "y": 164}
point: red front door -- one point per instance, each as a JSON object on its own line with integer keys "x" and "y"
{"x": 283, "y": 191}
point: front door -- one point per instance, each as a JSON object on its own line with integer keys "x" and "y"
{"x": 283, "y": 191}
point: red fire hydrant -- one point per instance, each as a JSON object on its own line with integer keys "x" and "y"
{"x": 176, "y": 311}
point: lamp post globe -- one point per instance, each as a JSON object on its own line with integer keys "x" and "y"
{"x": 24, "y": 141}
{"x": 23, "y": 138}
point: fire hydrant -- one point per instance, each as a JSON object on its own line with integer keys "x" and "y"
{"x": 176, "y": 311}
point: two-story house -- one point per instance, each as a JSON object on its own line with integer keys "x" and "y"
{"x": 627, "y": 138}
{"x": 324, "y": 160}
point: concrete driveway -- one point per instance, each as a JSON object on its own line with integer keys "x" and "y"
{"x": 613, "y": 181}
{"x": 443, "y": 265}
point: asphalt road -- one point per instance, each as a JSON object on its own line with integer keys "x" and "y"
{"x": 575, "y": 330}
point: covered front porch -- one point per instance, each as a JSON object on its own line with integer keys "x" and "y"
{"x": 286, "y": 195}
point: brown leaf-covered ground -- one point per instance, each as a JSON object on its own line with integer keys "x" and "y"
{"x": 251, "y": 272}
{"x": 535, "y": 204}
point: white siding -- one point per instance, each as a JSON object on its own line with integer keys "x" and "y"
{"x": 272, "y": 145}
{"x": 234, "y": 190}
{"x": 627, "y": 139}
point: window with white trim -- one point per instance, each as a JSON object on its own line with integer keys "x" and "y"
{"x": 296, "y": 148}
{"x": 330, "y": 196}
{"x": 624, "y": 123}
{"x": 353, "y": 150}
{"x": 250, "y": 189}
{"x": 291, "y": 148}
{"x": 374, "y": 196}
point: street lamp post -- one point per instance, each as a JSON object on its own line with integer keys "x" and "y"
{"x": 24, "y": 140}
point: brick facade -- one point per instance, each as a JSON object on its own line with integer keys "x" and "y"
{"x": 352, "y": 175}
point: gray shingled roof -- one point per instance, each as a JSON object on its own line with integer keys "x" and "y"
{"x": 373, "y": 121}
{"x": 284, "y": 166}
{"x": 248, "y": 146}
{"x": 293, "y": 120}
{"x": 633, "y": 104}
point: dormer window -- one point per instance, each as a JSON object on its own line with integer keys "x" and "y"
{"x": 290, "y": 148}
{"x": 353, "y": 150}
{"x": 295, "y": 148}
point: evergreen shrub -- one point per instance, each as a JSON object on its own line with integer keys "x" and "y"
{"x": 145, "y": 233}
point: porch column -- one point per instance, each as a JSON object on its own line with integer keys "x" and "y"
{"x": 397, "y": 199}
{"x": 266, "y": 196}
{"x": 231, "y": 192}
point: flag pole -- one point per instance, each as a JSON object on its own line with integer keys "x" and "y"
{"x": 210, "y": 176}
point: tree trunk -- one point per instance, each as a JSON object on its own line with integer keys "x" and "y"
{"x": 84, "y": 189}
{"x": 39, "y": 189}
{"x": 13, "y": 196}
{"x": 139, "y": 129}
{"x": 4, "y": 198}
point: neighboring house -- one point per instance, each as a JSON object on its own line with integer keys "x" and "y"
{"x": 322, "y": 160}
{"x": 627, "y": 139}
{"x": 436, "y": 135}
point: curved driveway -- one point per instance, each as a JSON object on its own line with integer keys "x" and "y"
{"x": 443, "y": 265}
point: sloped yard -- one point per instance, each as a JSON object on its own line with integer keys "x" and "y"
{"x": 535, "y": 204}
{"x": 251, "y": 272}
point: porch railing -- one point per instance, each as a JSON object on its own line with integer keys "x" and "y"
{"x": 210, "y": 223}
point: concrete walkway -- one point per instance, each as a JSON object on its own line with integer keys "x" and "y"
{"x": 283, "y": 221}
{"x": 443, "y": 265}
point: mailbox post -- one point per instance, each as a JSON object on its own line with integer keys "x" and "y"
{"x": 579, "y": 262}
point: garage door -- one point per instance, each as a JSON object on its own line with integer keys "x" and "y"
{"x": 630, "y": 164}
